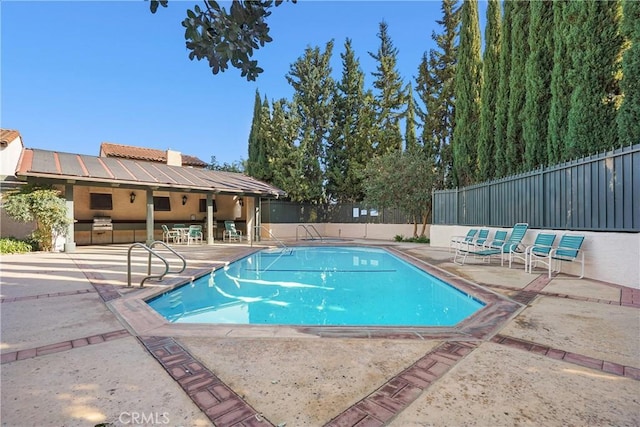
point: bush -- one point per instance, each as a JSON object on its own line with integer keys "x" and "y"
{"x": 11, "y": 245}
{"x": 421, "y": 239}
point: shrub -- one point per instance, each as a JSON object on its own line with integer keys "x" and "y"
{"x": 399, "y": 238}
{"x": 10, "y": 245}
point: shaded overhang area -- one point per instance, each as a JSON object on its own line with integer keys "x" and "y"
{"x": 69, "y": 169}
{"x": 60, "y": 168}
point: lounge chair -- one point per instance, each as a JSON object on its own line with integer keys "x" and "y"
{"x": 514, "y": 240}
{"x": 541, "y": 246}
{"x": 167, "y": 234}
{"x": 230, "y": 232}
{"x": 568, "y": 250}
{"x": 482, "y": 238}
{"x": 194, "y": 234}
{"x": 457, "y": 240}
{"x": 498, "y": 240}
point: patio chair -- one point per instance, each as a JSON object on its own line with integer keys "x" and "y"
{"x": 457, "y": 240}
{"x": 498, "y": 240}
{"x": 194, "y": 234}
{"x": 542, "y": 245}
{"x": 514, "y": 240}
{"x": 167, "y": 234}
{"x": 230, "y": 232}
{"x": 568, "y": 250}
{"x": 483, "y": 236}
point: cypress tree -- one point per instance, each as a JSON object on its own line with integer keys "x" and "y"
{"x": 560, "y": 87}
{"x": 538, "y": 84}
{"x": 629, "y": 114}
{"x": 253, "y": 148}
{"x": 468, "y": 80}
{"x": 596, "y": 47}
{"x": 514, "y": 154}
{"x": 283, "y": 161}
{"x": 435, "y": 88}
{"x": 502, "y": 103}
{"x": 390, "y": 97}
{"x": 489, "y": 94}
{"x": 411, "y": 141}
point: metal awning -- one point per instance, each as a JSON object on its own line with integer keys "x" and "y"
{"x": 56, "y": 167}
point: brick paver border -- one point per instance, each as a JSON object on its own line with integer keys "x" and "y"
{"x": 400, "y": 391}
{"x": 62, "y": 346}
{"x": 577, "y": 359}
{"x": 40, "y": 296}
{"x": 219, "y": 402}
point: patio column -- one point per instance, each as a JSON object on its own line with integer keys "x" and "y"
{"x": 69, "y": 244}
{"x": 150, "y": 225}
{"x": 209, "y": 219}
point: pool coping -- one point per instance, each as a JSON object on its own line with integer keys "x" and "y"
{"x": 132, "y": 309}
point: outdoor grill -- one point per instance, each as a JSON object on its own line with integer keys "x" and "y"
{"x": 102, "y": 224}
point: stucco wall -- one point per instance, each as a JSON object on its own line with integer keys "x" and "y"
{"x": 610, "y": 257}
{"x": 344, "y": 230}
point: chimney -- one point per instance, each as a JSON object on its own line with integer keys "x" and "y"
{"x": 174, "y": 158}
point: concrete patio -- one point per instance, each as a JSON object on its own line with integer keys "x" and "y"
{"x": 79, "y": 349}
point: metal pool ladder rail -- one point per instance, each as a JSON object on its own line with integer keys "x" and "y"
{"x": 307, "y": 232}
{"x": 259, "y": 227}
{"x": 151, "y": 252}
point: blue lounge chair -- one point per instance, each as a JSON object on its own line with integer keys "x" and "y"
{"x": 458, "y": 240}
{"x": 568, "y": 250}
{"x": 483, "y": 237}
{"x": 541, "y": 246}
{"x": 514, "y": 240}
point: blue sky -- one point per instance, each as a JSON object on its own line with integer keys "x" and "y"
{"x": 78, "y": 73}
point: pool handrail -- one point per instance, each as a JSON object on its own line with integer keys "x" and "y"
{"x": 259, "y": 227}
{"x": 156, "y": 254}
{"x": 307, "y": 232}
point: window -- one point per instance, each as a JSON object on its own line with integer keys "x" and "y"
{"x": 203, "y": 205}
{"x": 100, "y": 201}
{"x": 161, "y": 203}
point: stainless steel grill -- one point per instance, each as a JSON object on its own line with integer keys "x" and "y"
{"x": 102, "y": 224}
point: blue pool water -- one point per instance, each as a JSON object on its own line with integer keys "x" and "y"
{"x": 318, "y": 286}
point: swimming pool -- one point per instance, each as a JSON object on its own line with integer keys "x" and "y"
{"x": 318, "y": 285}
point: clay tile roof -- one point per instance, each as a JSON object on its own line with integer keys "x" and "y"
{"x": 8, "y": 135}
{"x": 108, "y": 149}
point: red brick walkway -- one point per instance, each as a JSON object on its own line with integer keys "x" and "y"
{"x": 219, "y": 402}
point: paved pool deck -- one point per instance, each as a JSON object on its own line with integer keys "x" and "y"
{"x": 80, "y": 348}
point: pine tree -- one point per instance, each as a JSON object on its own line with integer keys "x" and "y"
{"x": 560, "y": 87}
{"x": 310, "y": 77}
{"x": 468, "y": 82}
{"x": 596, "y": 47}
{"x": 435, "y": 89}
{"x": 390, "y": 97}
{"x": 538, "y": 84}
{"x": 347, "y": 149}
{"x": 502, "y": 103}
{"x": 514, "y": 153}
{"x": 629, "y": 114}
{"x": 489, "y": 95}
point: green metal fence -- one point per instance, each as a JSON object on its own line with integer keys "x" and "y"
{"x": 598, "y": 193}
{"x": 279, "y": 211}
